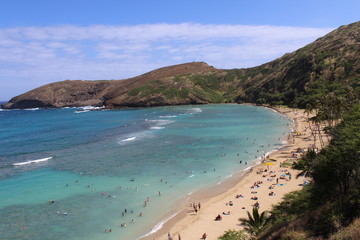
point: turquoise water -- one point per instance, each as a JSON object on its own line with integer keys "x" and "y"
{"x": 96, "y": 164}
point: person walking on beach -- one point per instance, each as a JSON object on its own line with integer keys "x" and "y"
{"x": 179, "y": 237}
{"x": 204, "y": 236}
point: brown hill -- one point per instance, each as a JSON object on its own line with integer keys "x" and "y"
{"x": 98, "y": 93}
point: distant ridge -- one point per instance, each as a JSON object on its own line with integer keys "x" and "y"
{"x": 330, "y": 64}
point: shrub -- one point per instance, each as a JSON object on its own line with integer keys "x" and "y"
{"x": 233, "y": 235}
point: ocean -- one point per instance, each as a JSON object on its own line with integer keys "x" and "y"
{"x": 72, "y": 173}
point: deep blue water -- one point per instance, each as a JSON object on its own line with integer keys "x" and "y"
{"x": 96, "y": 164}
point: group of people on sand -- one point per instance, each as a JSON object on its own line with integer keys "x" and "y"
{"x": 170, "y": 238}
{"x": 196, "y": 207}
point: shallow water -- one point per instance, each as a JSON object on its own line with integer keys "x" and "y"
{"x": 104, "y": 162}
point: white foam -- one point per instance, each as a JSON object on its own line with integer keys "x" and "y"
{"x": 159, "y": 225}
{"x": 128, "y": 139}
{"x": 136, "y": 136}
{"x": 32, "y": 109}
{"x": 196, "y": 110}
{"x": 191, "y": 175}
{"x": 157, "y": 128}
{"x": 248, "y": 168}
{"x": 161, "y": 122}
{"x": 270, "y": 152}
{"x": 32, "y": 161}
{"x": 91, "y": 108}
{"x": 82, "y": 111}
{"x": 168, "y": 116}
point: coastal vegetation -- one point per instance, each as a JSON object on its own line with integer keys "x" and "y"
{"x": 233, "y": 235}
{"x": 255, "y": 223}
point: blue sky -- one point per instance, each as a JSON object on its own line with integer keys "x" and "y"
{"x": 43, "y": 41}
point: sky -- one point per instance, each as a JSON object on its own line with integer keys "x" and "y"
{"x": 43, "y": 41}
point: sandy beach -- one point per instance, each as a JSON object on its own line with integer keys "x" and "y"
{"x": 239, "y": 197}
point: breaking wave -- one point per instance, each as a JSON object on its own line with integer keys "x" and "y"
{"x": 32, "y": 161}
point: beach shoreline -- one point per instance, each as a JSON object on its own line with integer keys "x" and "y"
{"x": 191, "y": 225}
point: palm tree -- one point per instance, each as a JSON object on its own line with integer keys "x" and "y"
{"x": 256, "y": 222}
{"x": 310, "y": 108}
{"x": 306, "y": 163}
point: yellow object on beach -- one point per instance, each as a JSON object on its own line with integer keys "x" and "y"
{"x": 269, "y": 163}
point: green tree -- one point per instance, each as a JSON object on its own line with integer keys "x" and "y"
{"x": 233, "y": 235}
{"x": 306, "y": 163}
{"x": 256, "y": 222}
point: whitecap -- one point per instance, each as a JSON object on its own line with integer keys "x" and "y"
{"x": 168, "y": 116}
{"x": 128, "y": 139}
{"x": 157, "y": 128}
{"x": 161, "y": 122}
{"x": 91, "y": 108}
{"x": 32, "y": 109}
{"x": 32, "y": 161}
{"x": 196, "y": 110}
{"x": 191, "y": 175}
{"x": 88, "y": 107}
{"x": 82, "y": 111}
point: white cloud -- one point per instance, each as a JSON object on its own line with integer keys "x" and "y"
{"x": 40, "y": 55}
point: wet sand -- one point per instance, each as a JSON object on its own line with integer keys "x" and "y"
{"x": 191, "y": 225}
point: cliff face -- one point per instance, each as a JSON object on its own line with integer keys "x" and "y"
{"x": 330, "y": 64}
{"x": 61, "y": 94}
